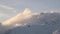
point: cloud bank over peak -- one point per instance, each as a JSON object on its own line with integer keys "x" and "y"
{"x": 27, "y": 11}
{"x": 19, "y": 19}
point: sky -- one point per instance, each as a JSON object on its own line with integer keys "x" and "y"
{"x": 9, "y": 8}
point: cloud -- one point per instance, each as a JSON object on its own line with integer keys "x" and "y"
{"x": 18, "y": 20}
{"x": 6, "y": 7}
{"x": 27, "y": 11}
{"x": 19, "y": 17}
{"x": 8, "y": 10}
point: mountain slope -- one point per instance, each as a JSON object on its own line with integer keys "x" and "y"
{"x": 32, "y": 23}
{"x": 48, "y": 23}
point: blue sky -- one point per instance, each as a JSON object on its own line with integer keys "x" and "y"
{"x": 10, "y": 8}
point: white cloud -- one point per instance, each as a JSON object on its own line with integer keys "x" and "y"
{"x": 8, "y": 10}
{"x": 18, "y": 20}
{"x": 6, "y": 7}
{"x": 19, "y": 17}
{"x": 27, "y": 11}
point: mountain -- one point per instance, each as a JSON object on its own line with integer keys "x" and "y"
{"x": 32, "y": 23}
{"x": 44, "y": 23}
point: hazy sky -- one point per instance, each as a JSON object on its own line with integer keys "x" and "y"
{"x": 9, "y": 8}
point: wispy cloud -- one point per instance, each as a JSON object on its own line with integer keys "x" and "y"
{"x": 8, "y": 10}
{"x": 6, "y": 7}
